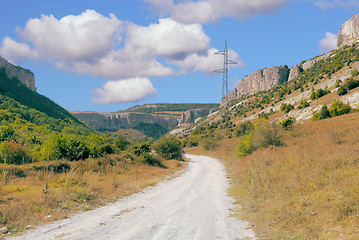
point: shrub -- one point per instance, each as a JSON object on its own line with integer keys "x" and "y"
{"x": 121, "y": 143}
{"x": 243, "y": 128}
{"x": 269, "y": 134}
{"x": 72, "y": 148}
{"x": 169, "y": 148}
{"x": 245, "y": 146}
{"x": 287, "y": 123}
{"x": 303, "y": 104}
{"x": 355, "y": 72}
{"x": 7, "y": 133}
{"x": 209, "y": 143}
{"x": 351, "y": 84}
{"x": 13, "y": 153}
{"x": 322, "y": 114}
{"x": 141, "y": 148}
{"x": 151, "y": 160}
{"x": 99, "y": 145}
{"x": 342, "y": 91}
{"x": 339, "y": 108}
{"x": 337, "y": 83}
{"x": 286, "y": 107}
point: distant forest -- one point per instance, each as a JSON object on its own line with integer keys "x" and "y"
{"x": 169, "y": 107}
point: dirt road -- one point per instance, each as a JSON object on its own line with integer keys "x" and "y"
{"x": 191, "y": 206}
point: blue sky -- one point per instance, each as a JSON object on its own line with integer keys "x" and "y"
{"x": 110, "y": 55}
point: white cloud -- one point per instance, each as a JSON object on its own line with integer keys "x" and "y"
{"x": 204, "y": 11}
{"x": 89, "y": 43}
{"x": 328, "y": 43}
{"x": 123, "y": 91}
{"x": 206, "y": 63}
{"x": 16, "y": 52}
{"x": 168, "y": 38}
{"x": 161, "y": 7}
{"x": 324, "y": 5}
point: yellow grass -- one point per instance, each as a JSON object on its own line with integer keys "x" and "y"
{"x": 44, "y": 196}
{"x": 308, "y": 189}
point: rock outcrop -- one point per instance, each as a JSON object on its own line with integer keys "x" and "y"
{"x": 106, "y": 121}
{"x": 349, "y": 32}
{"x": 310, "y": 63}
{"x": 263, "y": 79}
{"x": 192, "y": 115}
{"x": 25, "y": 76}
{"x": 294, "y": 72}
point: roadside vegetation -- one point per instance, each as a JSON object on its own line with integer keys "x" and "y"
{"x": 297, "y": 183}
{"x": 52, "y": 165}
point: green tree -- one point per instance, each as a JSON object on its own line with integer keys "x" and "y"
{"x": 169, "y": 148}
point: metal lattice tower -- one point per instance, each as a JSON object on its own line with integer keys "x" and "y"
{"x": 224, "y": 70}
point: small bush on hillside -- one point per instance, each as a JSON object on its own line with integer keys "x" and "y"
{"x": 319, "y": 93}
{"x": 303, "y": 104}
{"x": 269, "y": 134}
{"x": 209, "y": 143}
{"x": 7, "y": 133}
{"x": 286, "y": 107}
{"x": 13, "y": 153}
{"x": 322, "y": 114}
{"x": 243, "y": 128}
{"x": 121, "y": 143}
{"x": 141, "y": 148}
{"x": 337, "y": 83}
{"x": 350, "y": 84}
{"x": 355, "y": 72}
{"x": 287, "y": 123}
{"x": 245, "y": 146}
{"x": 151, "y": 160}
{"x": 339, "y": 108}
{"x": 169, "y": 148}
{"x": 342, "y": 91}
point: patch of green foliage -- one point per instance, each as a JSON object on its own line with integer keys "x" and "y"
{"x": 286, "y": 107}
{"x": 169, "y": 107}
{"x": 336, "y": 109}
{"x": 169, "y": 148}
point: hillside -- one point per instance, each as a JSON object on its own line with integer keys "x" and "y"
{"x": 291, "y": 147}
{"x": 168, "y": 108}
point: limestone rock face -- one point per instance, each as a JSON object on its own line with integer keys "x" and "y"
{"x": 102, "y": 121}
{"x": 192, "y": 115}
{"x": 309, "y": 63}
{"x": 25, "y": 76}
{"x": 349, "y": 32}
{"x": 262, "y": 80}
{"x": 294, "y": 72}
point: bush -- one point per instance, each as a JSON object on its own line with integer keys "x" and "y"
{"x": 342, "y": 91}
{"x": 7, "y": 133}
{"x": 141, "y": 148}
{"x": 99, "y": 145}
{"x": 169, "y": 148}
{"x": 322, "y": 114}
{"x": 355, "y": 72}
{"x": 13, "y": 153}
{"x": 245, "y": 146}
{"x": 121, "y": 143}
{"x": 339, "y": 108}
{"x": 350, "y": 84}
{"x": 303, "y": 104}
{"x": 286, "y": 107}
{"x": 287, "y": 123}
{"x": 151, "y": 160}
{"x": 244, "y": 128}
{"x": 209, "y": 143}
{"x": 269, "y": 134}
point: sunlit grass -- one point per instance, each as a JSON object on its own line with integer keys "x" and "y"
{"x": 44, "y": 196}
{"x": 306, "y": 189}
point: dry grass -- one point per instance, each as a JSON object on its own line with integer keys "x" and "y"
{"x": 44, "y": 196}
{"x": 307, "y": 189}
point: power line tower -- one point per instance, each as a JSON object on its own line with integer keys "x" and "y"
{"x": 224, "y": 70}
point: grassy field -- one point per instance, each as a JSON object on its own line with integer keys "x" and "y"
{"x": 306, "y": 189}
{"x": 38, "y": 193}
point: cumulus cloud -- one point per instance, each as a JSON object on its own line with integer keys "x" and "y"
{"x": 89, "y": 43}
{"x": 123, "y": 91}
{"x": 324, "y": 5}
{"x": 16, "y": 52}
{"x": 328, "y": 43}
{"x": 161, "y": 7}
{"x": 168, "y": 38}
{"x": 206, "y": 63}
{"x": 212, "y": 10}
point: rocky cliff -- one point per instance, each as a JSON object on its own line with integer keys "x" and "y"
{"x": 106, "y": 121}
{"x": 192, "y": 115}
{"x": 262, "y": 80}
{"x": 25, "y": 76}
{"x": 349, "y": 32}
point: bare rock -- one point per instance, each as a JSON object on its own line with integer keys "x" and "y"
{"x": 25, "y": 76}
{"x": 349, "y": 32}
{"x": 310, "y": 63}
{"x": 192, "y": 115}
{"x": 262, "y": 80}
{"x": 294, "y": 72}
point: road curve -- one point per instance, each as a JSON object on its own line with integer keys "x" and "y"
{"x": 194, "y": 205}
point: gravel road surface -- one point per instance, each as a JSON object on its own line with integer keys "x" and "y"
{"x": 194, "y": 205}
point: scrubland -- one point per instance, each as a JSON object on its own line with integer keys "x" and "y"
{"x": 306, "y": 188}
{"x": 37, "y": 193}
